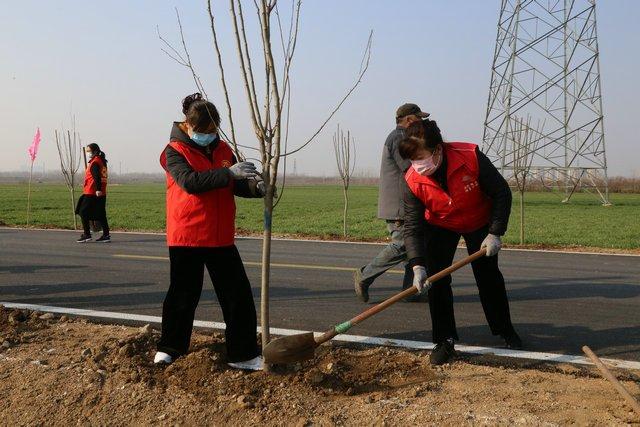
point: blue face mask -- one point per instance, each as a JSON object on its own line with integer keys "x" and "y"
{"x": 203, "y": 139}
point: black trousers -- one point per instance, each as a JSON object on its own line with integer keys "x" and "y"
{"x": 92, "y": 208}
{"x": 441, "y": 247}
{"x": 86, "y": 225}
{"x": 232, "y": 289}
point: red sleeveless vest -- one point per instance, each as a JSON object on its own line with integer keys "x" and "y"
{"x": 204, "y": 219}
{"x": 464, "y": 207}
{"x": 89, "y": 187}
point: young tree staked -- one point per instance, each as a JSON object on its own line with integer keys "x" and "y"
{"x": 265, "y": 71}
{"x": 344, "y": 147}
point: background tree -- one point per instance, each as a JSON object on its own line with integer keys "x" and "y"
{"x": 268, "y": 95}
{"x": 69, "y": 151}
{"x": 344, "y": 148}
{"x": 525, "y": 141}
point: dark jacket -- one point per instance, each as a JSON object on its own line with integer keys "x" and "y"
{"x": 491, "y": 183}
{"x": 198, "y": 182}
{"x": 96, "y": 174}
{"x": 392, "y": 168}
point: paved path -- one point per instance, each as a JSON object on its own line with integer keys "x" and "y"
{"x": 558, "y": 301}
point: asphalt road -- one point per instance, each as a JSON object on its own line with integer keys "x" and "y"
{"x": 559, "y": 302}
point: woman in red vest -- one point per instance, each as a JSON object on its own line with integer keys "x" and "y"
{"x": 202, "y": 178}
{"x": 454, "y": 190}
{"x": 92, "y": 204}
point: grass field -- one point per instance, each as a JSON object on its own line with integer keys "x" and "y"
{"x": 317, "y": 211}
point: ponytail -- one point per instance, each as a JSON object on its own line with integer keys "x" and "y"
{"x": 95, "y": 148}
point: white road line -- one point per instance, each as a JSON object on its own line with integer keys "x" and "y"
{"x": 408, "y": 344}
{"x": 342, "y": 242}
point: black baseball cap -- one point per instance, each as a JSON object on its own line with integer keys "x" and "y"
{"x": 409, "y": 109}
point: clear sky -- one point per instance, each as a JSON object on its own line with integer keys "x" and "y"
{"x": 102, "y": 61}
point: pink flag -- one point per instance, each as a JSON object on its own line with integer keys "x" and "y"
{"x": 33, "y": 149}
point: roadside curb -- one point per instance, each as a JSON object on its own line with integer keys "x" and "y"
{"x": 355, "y": 339}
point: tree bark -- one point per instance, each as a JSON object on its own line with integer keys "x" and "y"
{"x": 266, "y": 269}
{"x": 344, "y": 215}
{"x": 73, "y": 208}
{"x": 522, "y": 217}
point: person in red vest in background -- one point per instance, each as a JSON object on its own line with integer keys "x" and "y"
{"x": 453, "y": 190}
{"x": 203, "y": 176}
{"x": 92, "y": 204}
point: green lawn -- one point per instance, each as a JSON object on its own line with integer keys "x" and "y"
{"x": 317, "y": 211}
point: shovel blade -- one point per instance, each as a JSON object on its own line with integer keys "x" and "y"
{"x": 290, "y": 349}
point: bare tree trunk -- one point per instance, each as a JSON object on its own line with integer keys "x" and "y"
{"x": 522, "y": 216}
{"x": 266, "y": 269}
{"x": 344, "y": 149}
{"x": 73, "y": 208}
{"x": 344, "y": 214}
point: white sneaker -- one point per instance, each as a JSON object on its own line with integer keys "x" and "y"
{"x": 162, "y": 357}
{"x": 255, "y": 364}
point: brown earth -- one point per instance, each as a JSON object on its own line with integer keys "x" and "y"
{"x": 60, "y": 371}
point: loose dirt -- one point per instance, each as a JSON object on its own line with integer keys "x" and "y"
{"x": 60, "y": 371}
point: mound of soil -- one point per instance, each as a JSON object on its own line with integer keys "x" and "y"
{"x": 59, "y": 371}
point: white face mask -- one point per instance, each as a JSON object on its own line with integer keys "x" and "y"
{"x": 429, "y": 165}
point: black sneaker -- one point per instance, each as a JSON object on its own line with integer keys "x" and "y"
{"x": 104, "y": 239}
{"x": 442, "y": 352}
{"x": 512, "y": 340}
{"x": 362, "y": 290}
{"x": 84, "y": 238}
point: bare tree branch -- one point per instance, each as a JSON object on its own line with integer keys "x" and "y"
{"x": 288, "y": 54}
{"x": 344, "y": 146}
{"x": 247, "y": 73}
{"x": 286, "y": 143}
{"x": 286, "y": 81}
{"x": 268, "y": 119}
{"x": 363, "y": 69}
{"x": 69, "y": 154}
{"x": 223, "y": 81}
{"x": 184, "y": 58}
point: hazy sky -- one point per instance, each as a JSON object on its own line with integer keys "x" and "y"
{"x": 102, "y": 60}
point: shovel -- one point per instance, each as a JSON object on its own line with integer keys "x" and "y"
{"x": 295, "y": 348}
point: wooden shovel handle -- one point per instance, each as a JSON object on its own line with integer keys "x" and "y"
{"x": 397, "y": 297}
{"x": 633, "y": 403}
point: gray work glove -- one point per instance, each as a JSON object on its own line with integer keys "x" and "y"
{"x": 420, "y": 281}
{"x": 243, "y": 170}
{"x": 261, "y": 187}
{"x": 493, "y": 243}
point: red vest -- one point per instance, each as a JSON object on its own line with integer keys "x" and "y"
{"x": 464, "y": 208}
{"x": 89, "y": 183}
{"x": 204, "y": 219}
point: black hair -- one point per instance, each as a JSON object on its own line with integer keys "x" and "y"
{"x": 424, "y": 134}
{"x": 95, "y": 149}
{"x": 200, "y": 113}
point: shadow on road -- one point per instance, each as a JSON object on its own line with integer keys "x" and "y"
{"x": 28, "y": 291}
{"x": 21, "y": 269}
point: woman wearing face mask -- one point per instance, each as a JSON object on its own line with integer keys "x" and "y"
{"x": 454, "y": 190}
{"x": 92, "y": 204}
{"x": 202, "y": 178}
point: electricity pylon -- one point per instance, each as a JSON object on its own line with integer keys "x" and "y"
{"x": 546, "y": 68}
